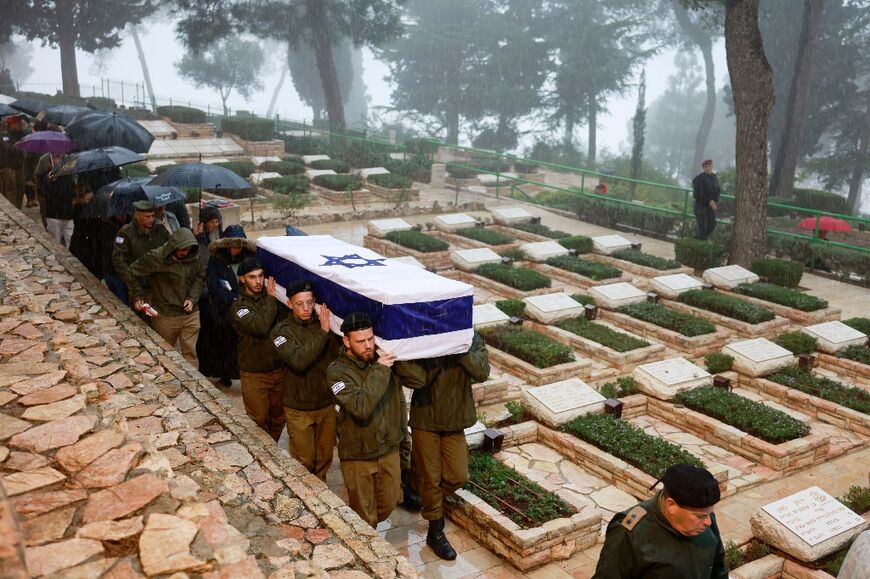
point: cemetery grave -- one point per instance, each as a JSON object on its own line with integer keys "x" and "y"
{"x": 746, "y": 319}
{"x": 430, "y": 251}
{"x": 609, "y": 244}
{"x": 789, "y": 303}
{"x": 640, "y": 263}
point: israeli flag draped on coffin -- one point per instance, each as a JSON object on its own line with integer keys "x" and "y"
{"x": 415, "y": 313}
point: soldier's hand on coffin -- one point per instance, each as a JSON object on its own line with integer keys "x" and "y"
{"x": 271, "y": 287}
{"x": 323, "y": 314}
{"x": 386, "y": 358}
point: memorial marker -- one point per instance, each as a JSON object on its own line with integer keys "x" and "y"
{"x": 560, "y": 402}
{"x": 672, "y": 286}
{"x": 380, "y": 227}
{"x": 511, "y": 215}
{"x": 454, "y": 221}
{"x": 833, "y": 336}
{"x": 729, "y": 276}
{"x": 758, "y": 357}
{"x": 549, "y": 308}
{"x": 608, "y": 244}
{"x": 543, "y": 250}
{"x": 485, "y": 315}
{"x": 614, "y": 295}
{"x": 667, "y": 378}
{"x": 470, "y": 259}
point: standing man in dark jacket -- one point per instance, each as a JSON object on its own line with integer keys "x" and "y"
{"x": 670, "y": 536}
{"x": 134, "y": 240}
{"x": 263, "y": 375}
{"x": 706, "y": 190}
{"x": 440, "y": 412}
{"x": 176, "y": 281}
{"x": 306, "y": 346}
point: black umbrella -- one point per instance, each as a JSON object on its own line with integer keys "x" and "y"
{"x": 116, "y": 198}
{"x": 201, "y": 176}
{"x": 63, "y": 114}
{"x": 30, "y": 106}
{"x": 6, "y": 110}
{"x": 95, "y": 159}
{"x": 105, "y": 129}
{"x": 161, "y": 196}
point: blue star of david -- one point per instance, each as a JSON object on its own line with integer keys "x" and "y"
{"x": 351, "y": 261}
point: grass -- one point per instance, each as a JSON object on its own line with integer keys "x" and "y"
{"x": 339, "y": 182}
{"x": 283, "y": 167}
{"x": 647, "y": 260}
{"x": 860, "y": 324}
{"x": 520, "y": 278}
{"x": 336, "y": 165}
{"x": 727, "y": 306}
{"x": 604, "y": 335}
{"x": 418, "y": 241}
{"x": 718, "y": 362}
{"x": 849, "y": 396}
{"x": 857, "y": 498}
{"x": 685, "y": 324}
{"x": 529, "y": 346}
{"x": 488, "y": 236}
{"x": 625, "y": 386}
{"x": 288, "y": 184}
{"x": 591, "y": 269}
{"x": 781, "y": 295}
{"x": 391, "y": 181}
{"x": 513, "y": 308}
{"x": 539, "y": 229}
{"x": 796, "y": 342}
{"x": 857, "y": 353}
{"x": 580, "y": 243}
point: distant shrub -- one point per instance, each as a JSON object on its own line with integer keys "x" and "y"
{"x": 625, "y": 386}
{"x": 179, "y": 114}
{"x": 717, "y": 362}
{"x": 581, "y": 243}
{"x": 306, "y": 146}
{"x": 857, "y": 499}
{"x": 591, "y": 269}
{"x": 782, "y": 296}
{"x": 860, "y": 324}
{"x": 339, "y": 182}
{"x": 460, "y": 171}
{"x": 520, "y": 278}
{"x": 539, "y": 229}
{"x": 391, "y": 181}
{"x": 781, "y": 272}
{"x": 604, "y": 335}
{"x": 525, "y": 166}
{"x": 336, "y": 165}
{"x": 515, "y": 254}
{"x": 283, "y": 167}
{"x": 848, "y": 396}
{"x": 583, "y": 299}
{"x": 240, "y": 168}
{"x": 484, "y": 235}
{"x": 685, "y": 324}
{"x": 728, "y": 306}
{"x": 249, "y": 128}
{"x": 645, "y": 259}
{"x": 698, "y": 253}
{"x": 821, "y": 200}
{"x": 796, "y": 342}
{"x": 856, "y": 353}
{"x": 418, "y": 241}
{"x": 287, "y": 185}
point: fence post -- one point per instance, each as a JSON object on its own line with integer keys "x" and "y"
{"x": 817, "y": 227}
{"x": 685, "y": 208}
{"x": 497, "y": 175}
{"x": 582, "y": 183}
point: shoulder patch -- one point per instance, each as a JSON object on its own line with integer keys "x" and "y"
{"x": 279, "y": 341}
{"x": 337, "y": 387}
{"x": 243, "y": 312}
{"x": 119, "y": 240}
{"x": 633, "y": 517}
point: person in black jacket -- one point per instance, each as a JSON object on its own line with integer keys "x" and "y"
{"x": 706, "y": 191}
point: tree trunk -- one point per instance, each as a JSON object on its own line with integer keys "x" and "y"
{"x": 452, "y": 123}
{"x": 857, "y": 180}
{"x": 752, "y": 86}
{"x": 134, "y": 32}
{"x": 278, "y": 87}
{"x": 592, "y": 118}
{"x": 782, "y": 183}
{"x": 325, "y": 63}
{"x": 568, "y": 140}
{"x": 67, "y": 43}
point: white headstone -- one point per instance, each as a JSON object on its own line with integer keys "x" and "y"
{"x": 308, "y": 159}
{"x": 469, "y": 259}
{"x": 454, "y": 221}
{"x": 543, "y": 250}
{"x": 476, "y": 189}
{"x": 729, "y": 276}
{"x": 408, "y": 260}
{"x": 380, "y": 227}
{"x": 833, "y": 336}
{"x": 667, "y": 378}
{"x": 486, "y": 315}
{"x": 369, "y": 171}
{"x": 608, "y": 244}
{"x": 216, "y": 160}
{"x": 257, "y": 178}
{"x": 614, "y": 295}
{"x": 312, "y": 173}
{"x": 671, "y": 286}
{"x": 560, "y": 402}
{"x": 438, "y": 173}
{"x": 474, "y": 435}
{"x": 261, "y": 160}
{"x": 808, "y": 525}
{"x": 509, "y": 215}
{"x": 758, "y": 357}
{"x": 550, "y": 308}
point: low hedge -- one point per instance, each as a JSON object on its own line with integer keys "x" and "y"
{"x": 860, "y": 324}
{"x": 539, "y": 229}
{"x": 525, "y": 167}
{"x": 515, "y": 254}
{"x": 336, "y": 165}
{"x": 769, "y": 424}
{"x": 339, "y": 182}
{"x": 782, "y": 296}
{"x": 583, "y": 299}
{"x": 529, "y": 346}
{"x": 513, "y": 308}
{"x": 391, "y": 181}
{"x": 282, "y": 167}
{"x": 821, "y": 200}
{"x": 581, "y": 243}
{"x": 796, "y": 342}
{"x": 591, "y": 269}
{"x": 520, "y": 278}
{"x": 645, "y": 259}
{"x": 418, "y": 241}
{"x": 288, "y": 184}
{"x": 625, "y": 386}
{"x": 604, "y": 212}
{"x": 306, "y": 146}
{"x": 458, "y": 171}
{"x": 781, "y": 272}
{"x": 249, "y": 128}
{"x": 727, "y": 306}
{"x": 488, "y": 236}
{"x": 240, "y": 168}
{"x": 857, "y": 353}
{"x": 604, "y": 335}
{"x": 718, "y": 362}
{"x": 179, "y": 114}
{"x": 698, "y": 253}
{"x": 651, "y": 454}
{"x": 685, "y": 324}
{"x": 848, "y": 396}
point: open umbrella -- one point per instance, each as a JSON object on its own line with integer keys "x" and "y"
{"x": 826, "y": 223}
{"x": 6, "y": 110}
{"x": 116, "y": 198}
{"x": 30, "y": 106}
{"x": 105, "y": 129}
{"x": 95, "y": 159}
{"x": 63, "y": 114}
{"x": 201, "y": 176}
{"x": 42, "y": 142}
{"x": 161, "y": 196}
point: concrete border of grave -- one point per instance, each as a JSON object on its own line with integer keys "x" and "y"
{"x": 461, "y": 258}
{"x": 728, "y": 276}
{"x": 607, "y": 244}
{"x": 537, "y": 402}
{"x": 509, "y": 215}
{"x": 519, "y": 233}
{"x": 852, "y": 337}
{"x": 494, "y": 390}
{"x": 492, "y": 316}
{"x": 768, "y": 566}
{"x": 535, "y": 307}
{"x": 380, "y": 227}
{"x": 650, "y": 377}
{"x": 572, "y": 278}
{"x": 435, "y": 260}
{"x": 801, "y": 317}
{"x": 361, "y": 196}
{"x": 393, "y": 195}
{"x": 580, "y": 367}
{"x": 855, "y": 371}
{"x": 450, "y": 222}
{"x": 659, "y": 284}
{"x": 500, "y": 289}
{"x": 769, "y": 329}
{"x": 692, "y": 346}
{"x": 463, "y": 242}
{"x": 604, "y": 300}
{"x": 624, "y": 361}
{"x": 637, "y": 269}
{"x": 745, "y": 364}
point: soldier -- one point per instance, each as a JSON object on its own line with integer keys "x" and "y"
{"x": 254, "y": 313}
{"x": 372, "y": 419}
{"x": 440, "y": 412}
{"x": 306, "y": 346}
{"x": 670, "y": 536}
{"x": 175, "y": 279}
{"x": 134, "y": 240}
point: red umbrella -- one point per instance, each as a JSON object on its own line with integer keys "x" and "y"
{"x": 826, "y": 223}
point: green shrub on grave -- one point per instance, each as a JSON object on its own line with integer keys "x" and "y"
{"x": 179, "y": 114}
{"x": 685, "y": 324}
{"x": 755, "y": 418}
{"x": 580, "y": 243}
{"x": 516, "y": 410}
{"x": 821, "y": 200}
{"x": 525, "y": 166}
{"x": 857, "y": 499}
{"x": 556, "y": 199}
{"x": 520, "y": 278}
{"x": 241, "y": 168}
{"x": 539, "y": 229}
{"x": 249, "y": 128}
{"x": 640, "y": 258}
{"x": 336, "y": 165}
{"x": 339, "y": 182}
{"x": 583, "y": 299}
{"x": 515, "y": 254}
{"x": 651, "y": 454}
{"x": 604, "y": 335}
{"x": 625, "y": 386}
{"x": 484, "y": 235}
{"x": 718, "y": 362}
{"x": 290, "y": 184}
{"x": 781, "y": 272}
{"x": 796, "y": 342}
{"x": 306, "y": 146}
{"x": 856, "y": 352}
{"x": 459, "y": 171}
{"x": 860, "y": 324}
{"x": 391, "y": 181}
{"x": 284, "y": 168}
{"x": 781, "y": 295}
{"x": 698, "y": 253}
{"x": 727, "y": 306}
{"x": 418, "y": 241}
{"x": 591, "y": 269}
{"x": 809, "y": 383}
{"x": 513, "y": 308}
{"x": 529, "y": 346}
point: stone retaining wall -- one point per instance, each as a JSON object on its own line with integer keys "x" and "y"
{"x": 493, "y": 391}
{"x": 271, "y": 148}
{"x": 435, "y": 260}
{"x": 539, "y": 376}
{"x": 623, "y": 361}
{"x": 855, "y": 372}
{"x": 692, "y": 346}
{"x": 519, "y": 233}
{"x": 769, "y": 329}
{"x": 500, "y": 289}
{"x": 393, "y": 195}
{"x": 192, "y": 130}
{"x": 360, "y": 196}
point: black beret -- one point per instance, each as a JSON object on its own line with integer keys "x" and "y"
{"x": 691, "y": 486}
{"x": 248, "y": 265}
{"x": 355, "y": 321}
{"x": 298, "y": 285}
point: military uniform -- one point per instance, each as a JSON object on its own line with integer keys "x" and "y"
{"x": 131, "y": 243}
{"x": 261, "y": 370}
{"x": 306, "y": 351}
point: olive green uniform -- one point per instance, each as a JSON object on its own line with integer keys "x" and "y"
{"x": 641, "y": 543}
{"x": 261, "y": 371}
{"x": 131, "y": 243}
{"x": 306, "y": 351}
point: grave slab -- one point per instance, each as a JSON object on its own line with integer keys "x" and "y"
{"x": 485, "y": 315}
{"x": 312, "y": 173}
{"x": 408, "y": 260}
{"x": 671, "y": 286}
{"x": 511, "y": 215}
{"x": 560, "y": 402}
{"x": 474, "y": 435}
{"x": 453, "y": 221}
{"x": 608, "y": 244}
{"x": 834, "y": 336}
{"x": 759, "y": 357}
{"x": 667, "y": 378}
{"x": 614, "y": 295}
{"x": 308, "y": 159}
{"x": 380, "y": 227}
{"x": 211, "y": 161}
{"x": 369, "y": 171}
{"x": 257, "y": 178}
{"x": 549, "y": 308}
{"x": 260, "y": 160}
{"x": 471, "y": 259}
{"x": 489, "y": 180}
{"x": 543, "y": 250}
{"x": 808, "y": 525}
{"x": 729, "y": 276}
{"x": 158, "y": 128}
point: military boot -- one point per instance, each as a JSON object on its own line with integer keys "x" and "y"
{"x": 436, "y": 539}
{"x": 410, "y": 499}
